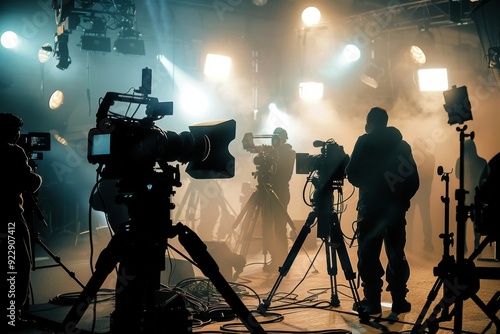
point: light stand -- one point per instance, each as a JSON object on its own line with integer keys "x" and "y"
{"x": 459, "y": 278}
{"x": 31, "y": 210}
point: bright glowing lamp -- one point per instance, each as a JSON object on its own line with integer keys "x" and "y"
{"x": 433, "y": 79}
{"x": 311, "y": 16}
{"x": 9, "y": 39}
{"x": 44, "y": 53}
{"x": 217, "y": 66}
{"x": 351, "y": 53}
{"x": 311, "y": 90}
{"x": 56, "y": 100}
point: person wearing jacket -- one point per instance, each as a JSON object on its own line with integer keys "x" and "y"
{"x": 383, "y": 168}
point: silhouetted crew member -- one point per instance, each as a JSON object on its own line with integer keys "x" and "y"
{"x": 17, "y": 177}
{"x": 383, "y": 168}
{"x": 275, "y": 234}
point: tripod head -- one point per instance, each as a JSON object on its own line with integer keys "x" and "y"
{"x": 326, "y": 174}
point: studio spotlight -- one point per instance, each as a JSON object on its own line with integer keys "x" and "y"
{"x": 44, "y": 53}
{"x": 129, "y": 42}
{"x": 56, "y": 99}
{"x": 62, "y": 51}
{"x": 217, "y": 66}
{"x": 433, "y": 79}
{"x": 422, "y": 46}
{"x": 494, "y": 57}
{"x": 351, "y": 53}
{"x": 311, "y": 90}
{"x": 311, "y": 16}
{"x": 372, "y": 75}
{"x": 94, "y": 39}
{"x": 9, "y": 39}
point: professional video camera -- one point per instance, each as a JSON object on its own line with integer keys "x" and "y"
{"x": 35, "y": 141}
{"x": 266, "y": 154}
{"x": 127, "y": 145}
{"x": 330, "y": 164}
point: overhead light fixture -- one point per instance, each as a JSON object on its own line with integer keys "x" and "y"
{"x": 494, "y": 57}
{"x": 9, "y": 39}
{"x": 351, "y": 53}
{"x": 433, "y": 79}
{"x": 422, "y": 46}
{"x": 56, "y": 99}
{"x": 129, "y": 42}
{"x": 94, "y": 39}
{"x": 217, "y": 66}
{"x": 311, "y": 16}
{"x": 311, "y": 90}
{"x": 62, "y": 51}
{"x": 373, "y": 75}
{"x": 44, "y": 53}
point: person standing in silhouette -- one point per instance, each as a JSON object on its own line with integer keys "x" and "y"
{"x": 383, "y": 168}
{"x": 275, "y": 234}
{"x": 17, "y": 178}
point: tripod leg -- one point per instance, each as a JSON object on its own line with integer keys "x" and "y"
{"x": 57, "y": 259}
{"x": 337, "y": 243}
{"x": 304, "y": 232}
{"x": 198, "y": 251}
{"x": 106, "y": 262}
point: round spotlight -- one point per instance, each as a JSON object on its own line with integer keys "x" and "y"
{"x": 351, "y": 53}
{"x": 9, "y": 39}
{"x": 417, "y": 55}
{"x": 311, "y": 16}
{"x": 44, "y": 53}
{"x": 56, "y": 100}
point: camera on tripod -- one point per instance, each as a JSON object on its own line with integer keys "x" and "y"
{"x": 266, "y": 154}
{"x": 330, "y": 164}
{"x": 33, "y": 142}
{"x": 127, "y": 145}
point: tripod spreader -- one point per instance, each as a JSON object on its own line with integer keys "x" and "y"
{"x": 198, "y": 252}
{"x": 334, "y": 246}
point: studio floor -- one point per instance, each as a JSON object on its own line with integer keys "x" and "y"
{"x": 300, "y": 304}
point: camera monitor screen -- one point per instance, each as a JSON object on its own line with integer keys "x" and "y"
{"x": 101, "y": 144}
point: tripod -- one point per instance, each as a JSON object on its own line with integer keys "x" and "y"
{"x": 329, "y": 231}
{"x": 140, "y": 246}
{"x": 206, "y": 196}
{"x": 32, "y": 209}
{"x": 263, "y": 203}
{"x": 459, "y": 278}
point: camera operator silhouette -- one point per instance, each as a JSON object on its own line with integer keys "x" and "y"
{"x": 474, "y": 166}
{"x": 18, "y": 177}
{"x": 383, "y": 168}
{"x": 274, "y": 231}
